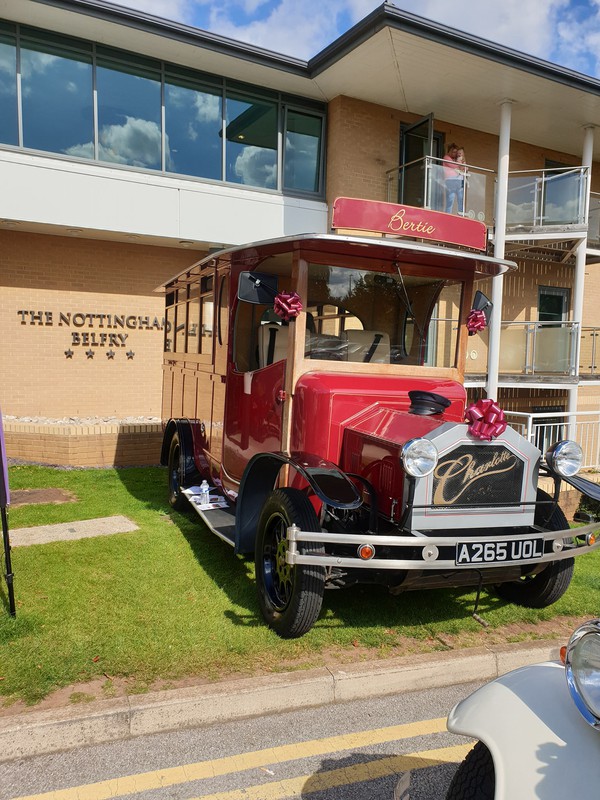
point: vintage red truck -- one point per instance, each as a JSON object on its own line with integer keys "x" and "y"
{"x": 315, "y": 382}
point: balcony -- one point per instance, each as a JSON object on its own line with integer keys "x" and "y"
{"x": 552, "y": 201}
{"x": 530, "y": 352}
{"x": 546, "y": 429}
{"x": 589, "y": 354}
{"x": 421, "y": 183}
{"x": 594, "y": 221}
{"x": 548, "y": 199}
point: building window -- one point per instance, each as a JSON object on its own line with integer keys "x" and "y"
{"x": 56, "y": 88}
{"x": 85, "y": 100}
{"x": 193, "y": 123}
{"x": 9, "y": 128}
{"x": 129, "y": 111}
{"x": 302, "y": 156}
{"x": 251, "y": 140}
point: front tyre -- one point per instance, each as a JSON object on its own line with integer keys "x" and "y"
{"x": 177, "y": 499}
{"x": 289, "y": 596}
{"x": 474, "y": 778}
{"x": 549, "y": 585}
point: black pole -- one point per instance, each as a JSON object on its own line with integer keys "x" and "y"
{"x": 9, "y": 573}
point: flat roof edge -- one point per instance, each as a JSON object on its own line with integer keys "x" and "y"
{"x": 186, "y": 34}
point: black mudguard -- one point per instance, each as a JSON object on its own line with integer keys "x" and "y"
{"x": 325, "y": 478}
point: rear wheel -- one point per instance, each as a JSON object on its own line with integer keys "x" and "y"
{"x": 549, "y": 585}
{"x": 290, "y": 596}
{"x": 177, "y": 499}
{"x": 475, "y": 778}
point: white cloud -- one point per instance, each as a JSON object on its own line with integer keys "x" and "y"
{"x": 255, "y": 166}
{"x": 137, "y": 142}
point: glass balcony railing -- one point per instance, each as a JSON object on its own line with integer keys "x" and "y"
{"x": 594, "y": 221}
{"x": 528, "y": 349}
{"x": 424, "y": 183}
{"x": 547, "y": 197}
{"x": 589, "y": 353}
{"x": 537, "y": 200}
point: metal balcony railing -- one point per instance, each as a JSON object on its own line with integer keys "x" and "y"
{"x": 547, "y": 428}
{"x": 549, "y": 197}
{"x": 423, "y": 183}
{"x": 530, "y": 349}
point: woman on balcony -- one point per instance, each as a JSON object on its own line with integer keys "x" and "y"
{"x": 454, "y": 178}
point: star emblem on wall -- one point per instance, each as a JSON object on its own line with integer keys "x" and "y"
{"x": 89, "y": 353}
{"x": 69, "y": 353}
{"x": 110, "y": 354}
{"x": 130, "y": 354}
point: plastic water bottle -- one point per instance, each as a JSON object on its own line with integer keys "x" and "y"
{"x": 204, "y": 493}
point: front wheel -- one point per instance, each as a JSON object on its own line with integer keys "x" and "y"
{"x": 289, "y": 596}
{"x": 474, "y": 778}
{"x": 549, "y": 585}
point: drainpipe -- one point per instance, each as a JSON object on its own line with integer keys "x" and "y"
{"x": 579, "y": 280}
{"x": 499, "y": 242}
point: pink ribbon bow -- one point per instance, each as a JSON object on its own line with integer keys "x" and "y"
{"x": 287, "y": 305}
{"x": 476, "y": 321}
{"x": 486, "y": 419}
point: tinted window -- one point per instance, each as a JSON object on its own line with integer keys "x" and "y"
{"x": 193, "y": 121}
{"x": 302, "y": 151}
{"x": 129, "y": 113}
{"x": 8, "y": 90}
{"x": 251, "y": 141}
{"x": 57, "y": 100}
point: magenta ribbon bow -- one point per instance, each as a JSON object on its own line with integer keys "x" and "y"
{"x": 287, "y": 305}
{"x": 486, "y": 420}
{"x": 476, "y": 321}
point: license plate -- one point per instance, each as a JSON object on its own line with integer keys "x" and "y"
{"x": 496, "y": 552}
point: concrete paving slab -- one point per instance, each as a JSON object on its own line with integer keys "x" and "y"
{"x": 38, "y": 732}
{"x": 69, "y": 531}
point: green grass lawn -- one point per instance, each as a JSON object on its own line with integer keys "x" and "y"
{"x": 170, "y": 600}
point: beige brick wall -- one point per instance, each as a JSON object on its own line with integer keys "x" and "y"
{"x": 54, "y": 276}
{"x": 364, "y": 138}
{"x": 84, "y": 446}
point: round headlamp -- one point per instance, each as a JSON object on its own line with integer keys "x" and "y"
{"x": 582, "y": 663}
{"x": 419, "y": 457}
{"x": 565, "y": 457}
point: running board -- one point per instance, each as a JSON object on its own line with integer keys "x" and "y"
{"x": 217, "y": 515}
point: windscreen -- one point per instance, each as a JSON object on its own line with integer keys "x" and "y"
{"x": 381, "y": 317}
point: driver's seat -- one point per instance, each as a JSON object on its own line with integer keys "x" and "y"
{"x": 368, "y": 346}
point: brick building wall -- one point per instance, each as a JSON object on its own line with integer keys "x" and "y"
{"x": 63, "y": 358}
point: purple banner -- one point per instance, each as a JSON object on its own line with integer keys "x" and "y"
{"x": 4, "y": 491}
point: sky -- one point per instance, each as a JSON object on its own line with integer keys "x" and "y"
{"x": 564, "y": 32}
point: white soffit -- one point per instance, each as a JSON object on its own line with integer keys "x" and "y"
{"x": 397, "y": 69}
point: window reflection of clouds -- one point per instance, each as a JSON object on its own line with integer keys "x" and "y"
{"x": 57, "y": 111}
{"x": 136, "y": 100}
{"x": 301, "y": 162}
{"x": 251, "y": 141}
{"x": 136, "y": 142}
{"x": 256, "y": 166}
{"x": 193, "y": 124}
{"x": 57, "y": 100}
{"x": 302, "y": 140}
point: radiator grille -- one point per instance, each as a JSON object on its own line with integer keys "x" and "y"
{"x": 478, "y": 476}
